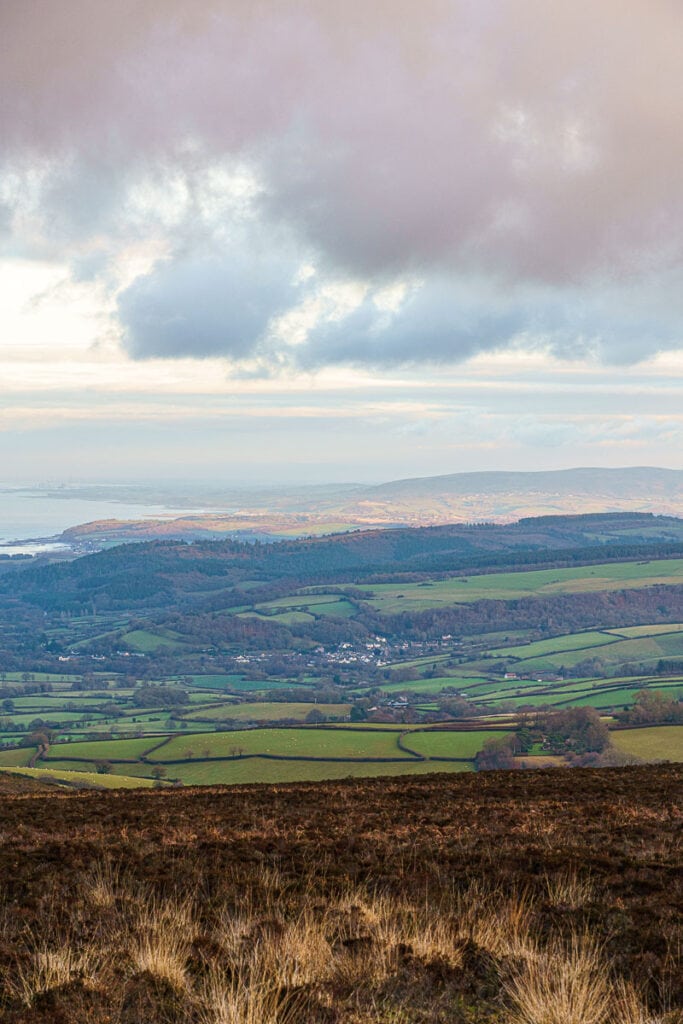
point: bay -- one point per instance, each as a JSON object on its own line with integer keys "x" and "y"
{"x": 31, "y": 514}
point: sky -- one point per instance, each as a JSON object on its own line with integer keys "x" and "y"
{"x": 257, "y": 242}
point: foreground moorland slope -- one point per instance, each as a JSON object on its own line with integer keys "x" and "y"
{"x": 537, "y": 898}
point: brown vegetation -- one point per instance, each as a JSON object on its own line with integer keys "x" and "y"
{"x": 514, "y": 898}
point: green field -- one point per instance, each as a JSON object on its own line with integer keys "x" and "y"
{"x": 611, "y": 699}
{"x": 635, "y": 631}
{"x": 586, "y": 693}
{"x": 300, "y": 601}
{"x": 76, "y": 777}
{"x": 286, "y": 618}
{"x": 308, "y": 605}
{"x": 425, "y": 662}
{"x": 61, "y": 701}
{"x": 267, "y": 711}
{"x": 643, "y": 649}
{"x": 56, "y": 678}
{"x": 294, "y": 742}
{"x": 451, "y": 744}
{"x": 103, "y": 750}
{"x": 556, "y": 644}
{"x": 659, "y": 743}
{"x": 47, "y": 715}
{"x": 435, "y": 685}
{"x": 144, "y": 641}
{"x": 391, "y": 598}
{"x": 18, "y": 756}
{"x": 254, "y": 770}
{"x": 238, "y": 684}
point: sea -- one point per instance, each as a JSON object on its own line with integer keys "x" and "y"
{"x": 31, "y": 519}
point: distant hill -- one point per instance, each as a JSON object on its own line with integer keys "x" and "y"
{"x": 505, "y": 496}
{"x": 163, "y": 572}
{"x": 497, "y": 497}
{"x": 637, "y": 482}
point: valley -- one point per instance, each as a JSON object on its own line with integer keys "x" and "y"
{"x": 365, "y": 654}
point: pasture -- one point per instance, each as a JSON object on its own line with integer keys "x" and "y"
{"x": 294, "y": 742}
{"x": 450, "y": 743}
{"x": 16, "y": 757}
{"x": 654, "y": 630}
{"x": 435, "y": 685}
{"x": 266, "y": 711}
{"x": 646, "y": 650}
{"x": 392, "y": 598}
{"x": 234, "y": 682}
{"x": 253, "y": 770}
{"x": 128, "y": 749}
{"x": 145, "y": 641}
{"x": 308, "y": 605}
{"x": 556, "y": 645}
{"x": 659, "y": 743}
{"x": 78, "y": 778}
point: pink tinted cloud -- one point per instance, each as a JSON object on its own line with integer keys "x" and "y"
{"x": 533, "y": 139}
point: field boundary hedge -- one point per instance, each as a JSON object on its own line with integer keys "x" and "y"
{"x": 292, "y": 757}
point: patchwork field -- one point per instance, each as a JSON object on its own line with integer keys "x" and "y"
{"x": 197, "y": 685}
{"x": 558, "y": 644}
{"x": 390, "y": 598}
{"x": 644, "y": 649}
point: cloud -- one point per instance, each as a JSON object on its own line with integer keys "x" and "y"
{"x": 534, "y": 146}
{"x": 204, "y": 305}
{"x": 449, "y": 319}
{"x": 438, "y": 321}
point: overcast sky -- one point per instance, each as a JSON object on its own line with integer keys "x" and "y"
{"x": 300, "y": 241}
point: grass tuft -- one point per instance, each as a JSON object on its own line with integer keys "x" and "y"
{"x": 566, "y": 983}
{"x": 51, "y": 967}
{"x": 569, "y": 889}
{"x": 161, "y": 941}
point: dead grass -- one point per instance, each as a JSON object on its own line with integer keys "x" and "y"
{"x": 271, "y": 952}
{"x": 629, "y": 1007}
{"x": 571, "y": 982}
{"x": 563, "y": 984}
{"x": 102, "y": 885}
{"x": 52, "y": 966}
{"x": 251, "y": 999}
{"x": 161, "y": 941}
{"x": 569, "y": 888}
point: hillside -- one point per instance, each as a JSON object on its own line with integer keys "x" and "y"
{"x": 500, "y": 497}
{"x": 154, "y": 571}
{"x": 644, "y": 483}
{"x": 216, "y": 662}
{"x": 442, "y": 900}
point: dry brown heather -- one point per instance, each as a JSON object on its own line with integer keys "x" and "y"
{"x": 525, "y": 898}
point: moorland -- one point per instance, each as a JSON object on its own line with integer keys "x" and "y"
{"x": 505, "y": 898}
